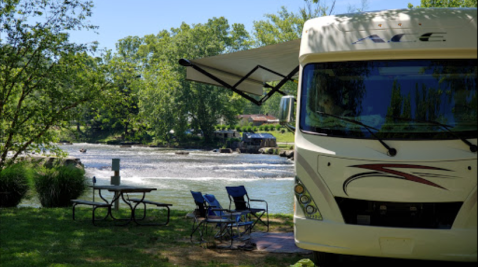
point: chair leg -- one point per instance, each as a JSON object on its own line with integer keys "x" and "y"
{"x": 197, "y": 228}
{"x": 73, "y": 207}
{"x": 259, "y": 219}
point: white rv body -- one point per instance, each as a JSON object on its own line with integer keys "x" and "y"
{"x": 446, "y": 169}
{"x": 386, "y": 129}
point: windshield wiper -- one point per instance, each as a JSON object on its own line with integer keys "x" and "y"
{"x": 392, "y": 152}
{"x": 472, "y": 147}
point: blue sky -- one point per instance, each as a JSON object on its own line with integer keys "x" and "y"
{"x": 121, "y": 18}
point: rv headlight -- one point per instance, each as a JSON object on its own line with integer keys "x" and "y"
{"x": 306, "y": 202}
{"x": 310, "y": 209}
{"x": 304, "y": 199}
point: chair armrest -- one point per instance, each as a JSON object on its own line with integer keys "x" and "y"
{"x": 258, "y": 200}
{"x": 221, "y": 210}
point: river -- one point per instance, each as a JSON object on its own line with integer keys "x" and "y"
{"x": 267, "y": 177}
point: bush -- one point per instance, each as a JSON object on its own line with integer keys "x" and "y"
{"x": 14, "y": 184}
{"x": 58, "y": 185}
{"x": 266, "y": 128}
{"x": 278, "y": 127}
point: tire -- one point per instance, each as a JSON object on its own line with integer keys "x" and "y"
{"x": 322, "y": 259}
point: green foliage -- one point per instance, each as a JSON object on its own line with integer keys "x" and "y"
{"x": 266, "y": 128}
{"x": 58, "y": 185}
{"x": 304, "y": 263}
{"x": 14, "y": 184}
{"x": 44, "y": 78}
{"x": 167, "y": 101}
{"x": 445, "y": 3}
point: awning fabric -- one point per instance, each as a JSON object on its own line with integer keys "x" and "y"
{"x": 275, "y": 63}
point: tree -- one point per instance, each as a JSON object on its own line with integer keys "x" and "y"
{"x": 169, "y": 102}
{"x": 43, "y": 77}
{"x": 362, "y": 8}
{"x": 445, "y": 3}
{"x": 125, "y": 72}
{"x": 282, "y": 27}
{"x": 320, "y": 9}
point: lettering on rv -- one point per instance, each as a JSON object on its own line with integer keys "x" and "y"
{"x": 398, "y": 38}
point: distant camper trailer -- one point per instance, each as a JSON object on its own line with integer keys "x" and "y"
{"x": 227, "y": 134}
{"x": 259, "y": 139}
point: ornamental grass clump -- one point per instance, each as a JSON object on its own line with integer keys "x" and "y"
{"x": 14, "y": 184}
{"x": 56, "y": 186}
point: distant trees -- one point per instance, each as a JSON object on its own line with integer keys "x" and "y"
{"x": 180, "y": 104}
{"x": 445, "y": 3}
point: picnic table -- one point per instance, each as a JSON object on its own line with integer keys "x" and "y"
{"x": 119, "y": 193}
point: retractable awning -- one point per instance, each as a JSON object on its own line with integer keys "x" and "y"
{"x": 247, "y": 72}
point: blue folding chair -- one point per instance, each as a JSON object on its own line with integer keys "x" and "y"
{"x": 239, "y": 196}
{"x": 240, "y": 218}
{"x": 202, "y": 218}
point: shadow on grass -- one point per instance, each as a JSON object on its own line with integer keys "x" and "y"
{"x": 49, "y": 237}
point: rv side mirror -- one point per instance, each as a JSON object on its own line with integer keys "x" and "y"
{"x": 287, "y": 112}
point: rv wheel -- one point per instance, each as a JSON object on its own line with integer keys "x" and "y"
{"x": 322, "y": 259}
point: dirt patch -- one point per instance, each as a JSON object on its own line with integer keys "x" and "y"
{"x": 198, "y": 256}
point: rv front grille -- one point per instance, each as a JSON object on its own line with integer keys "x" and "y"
{"x": 397, "y": 214}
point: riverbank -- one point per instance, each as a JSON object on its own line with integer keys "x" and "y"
{"x": 284, "y": 140}
{"x": 49, "y": 237}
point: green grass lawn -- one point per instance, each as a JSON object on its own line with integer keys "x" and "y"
{"x": 287, "y": 137}
{"x": 49, "y": 237}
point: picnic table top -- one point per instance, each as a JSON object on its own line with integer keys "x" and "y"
{"x": 124, "y": 188}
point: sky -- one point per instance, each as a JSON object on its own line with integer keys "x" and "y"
{"x": 118, "y": 19}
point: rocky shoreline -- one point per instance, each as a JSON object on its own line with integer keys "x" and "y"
{"x": 264, "y": 150}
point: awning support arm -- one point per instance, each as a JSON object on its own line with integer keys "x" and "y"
{"x": 279, "y": 85}
{"x": 187, "y": 63}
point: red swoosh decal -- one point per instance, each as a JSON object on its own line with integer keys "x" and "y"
{"x": 385, "y": 168}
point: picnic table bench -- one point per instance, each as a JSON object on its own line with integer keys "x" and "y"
{"x": 132, "y": 203}
{"x": 91, "y": 203}
{"x": 144, "y": 202}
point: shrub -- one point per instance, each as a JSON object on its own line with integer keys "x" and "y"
{"x": 58, "y": 185}
{"x": 238, "y": 128}
{"x": 278, "y": 127}
{"x": 14, "y": 184}
{"x": 266, "y": 128}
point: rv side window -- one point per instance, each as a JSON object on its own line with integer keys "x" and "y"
{"x": 400, "y": 99}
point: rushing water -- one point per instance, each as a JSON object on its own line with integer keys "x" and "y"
{"x": 267, "y": 177}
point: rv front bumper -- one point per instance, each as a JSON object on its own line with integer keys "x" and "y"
{"x": 421, "y": 244}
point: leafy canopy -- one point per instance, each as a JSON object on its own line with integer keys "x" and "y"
{"x": 445, "y": 3}
{"x": 43, "y": 76}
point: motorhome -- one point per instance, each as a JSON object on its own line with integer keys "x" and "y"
{"x": 385, "y": 123}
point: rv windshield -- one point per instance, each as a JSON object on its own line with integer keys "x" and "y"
{"x": 406, "y": 99}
